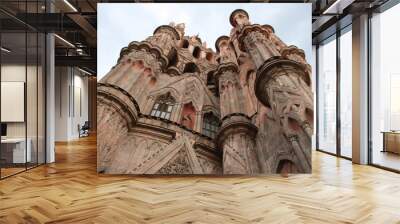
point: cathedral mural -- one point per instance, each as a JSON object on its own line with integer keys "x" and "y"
{"x": 173, "y": 106}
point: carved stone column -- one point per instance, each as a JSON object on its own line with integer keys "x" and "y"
{"x": 237, "y": 134}
{"x": 225, "y": 50}
{"x": 117, "y": 114}
{"x": 284, "y": 86}
{"x": 227, "y": 78}
{"x": 236, "y": 139}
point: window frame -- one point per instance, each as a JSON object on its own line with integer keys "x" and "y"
{"x": 210, "y": 125}
{"x": 163, "y": 106}
{"x": 334, "y": 37}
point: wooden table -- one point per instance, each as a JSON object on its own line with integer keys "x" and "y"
{"x": 391, "y": 141}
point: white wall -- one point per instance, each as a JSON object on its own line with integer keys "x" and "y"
{"x": 71, "y": 102}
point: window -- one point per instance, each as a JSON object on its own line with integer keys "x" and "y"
{"x": 346, "y": 93}
{"x": 196, "y": 52}
{"x": 211, "y": 83}
{"x": 327, "y": 96}
{"x": 172, "y": 58}
{"x": 185, "y": 43}
{"x": 163, "y": 106}
{"x": 385, "y": 89}
{"x": 191, "y": 68}
{"x": 210, "y": 125}
{"x": 210, "y": 79}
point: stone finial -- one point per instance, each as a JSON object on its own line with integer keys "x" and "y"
{"x": 180, "y": 27}
{"x": 269, "y": 28}
{"x": 225, "y": 49}
{"x": 167, "y": 29}
{"x": 220, "y": 41}
{"x": 195, "y": 38}
{"x": 239, "y": 17}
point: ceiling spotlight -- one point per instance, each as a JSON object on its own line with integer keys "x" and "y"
{"x": 5, "y": 50}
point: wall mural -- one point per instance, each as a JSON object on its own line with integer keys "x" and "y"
{"x": 173, "y": 106}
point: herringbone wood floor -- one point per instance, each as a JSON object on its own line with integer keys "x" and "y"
{"x": 70, "y": 191}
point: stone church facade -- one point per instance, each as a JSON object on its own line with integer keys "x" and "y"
{"x": 173, "y": 106}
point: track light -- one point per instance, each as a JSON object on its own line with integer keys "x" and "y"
{"x": 65, "y": 41}
{"x": 84, "y": 71}
{"x": 337, "y": 7}
{"x": 70, "y": 5}
{"x": 5, "y": 50}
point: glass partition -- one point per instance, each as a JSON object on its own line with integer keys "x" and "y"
{"x": 22, "y": 101}
{"x": 327, "y": 96}
{"x": 31, "y": 99}
{"x": 14, "y": 153}
{"x": 41, "y": 97}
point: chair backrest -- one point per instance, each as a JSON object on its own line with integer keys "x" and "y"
{"x": 86, "y": 125}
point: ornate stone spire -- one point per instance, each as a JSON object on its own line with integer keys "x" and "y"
{"x": 253, "y": 38}
{"x": 164, "y": 37}
{"x": 282, "y": 83}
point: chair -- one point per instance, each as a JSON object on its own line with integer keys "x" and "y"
{"x": 84, "y": 130}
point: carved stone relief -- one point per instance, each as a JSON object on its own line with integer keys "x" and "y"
{"x": 258, "y": 88}
{"x": 178, "y": 165}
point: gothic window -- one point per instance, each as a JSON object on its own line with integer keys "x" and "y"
{"x": 191, "y": 68}
{"x": 210, "y": 125}
{"x": 163, "y": 106}
{"x": 196, "y": 52}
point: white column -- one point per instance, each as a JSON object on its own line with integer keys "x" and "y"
{"x": 360, "y": 90}
{"x": 50, "y": 98}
